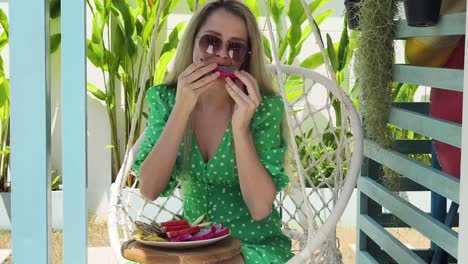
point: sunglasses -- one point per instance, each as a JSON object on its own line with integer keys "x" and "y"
{"x": 211, "y": 44}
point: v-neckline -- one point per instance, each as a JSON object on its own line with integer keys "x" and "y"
{"x": 220, "y": 144}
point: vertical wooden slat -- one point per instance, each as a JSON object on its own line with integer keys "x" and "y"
{"x": 463, "y": 231}
{"x": 30, "y": 131}
{"x": 74, "y": 131}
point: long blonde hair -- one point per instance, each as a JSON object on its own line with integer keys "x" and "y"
{"x": 255, "y": 63}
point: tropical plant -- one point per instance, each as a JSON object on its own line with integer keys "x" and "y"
{"x": 4, "y": 110}
{"x": 119, "y": 46}
{"x": 340, "y": 55}
{"x": 55, "y": 181}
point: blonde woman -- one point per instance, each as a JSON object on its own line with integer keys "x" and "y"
{"x": 220, "y": 136}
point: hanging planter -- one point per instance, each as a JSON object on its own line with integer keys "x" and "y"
{"x": 352, "y": 10}
{"x": 422, "y": 13}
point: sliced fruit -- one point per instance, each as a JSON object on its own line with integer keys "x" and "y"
{"x": 205, "y": 233}
{"x": 200, "y": 219}
{"x": 222, "y": 232}
{"x": 145, "y": 228}
{"x": 154, "y": 238}
{"x": 181, "y": 238}
{"x": 138, "y": 236}
{"x": 175, "y": 223}
{"x": 205, "y": 224}
{"x": 226, "y": 71}
{"x": 174, "y": 228}
{"x": 179, "y": 217}
{"x": 190, "y": 230}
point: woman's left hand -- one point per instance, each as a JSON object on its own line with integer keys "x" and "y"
{"x": 246, "y": 104}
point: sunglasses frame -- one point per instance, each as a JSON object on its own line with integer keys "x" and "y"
{"x": 223, "y": 45}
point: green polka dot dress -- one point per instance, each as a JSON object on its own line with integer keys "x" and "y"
{"x": 213, "y": 187}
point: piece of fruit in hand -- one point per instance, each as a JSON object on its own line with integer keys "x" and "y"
{"x": 226, "y": 71}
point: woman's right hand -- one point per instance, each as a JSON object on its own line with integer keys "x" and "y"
{"x": 194, "y": 81}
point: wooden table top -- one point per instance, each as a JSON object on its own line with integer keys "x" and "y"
{"x": 212, "y": 253}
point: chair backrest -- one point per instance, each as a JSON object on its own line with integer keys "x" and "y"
{"x": 327, "y": 148}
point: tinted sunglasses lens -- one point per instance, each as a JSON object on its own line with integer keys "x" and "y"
{"x": 237, "y": 51}
{"x": 210, "y": 44}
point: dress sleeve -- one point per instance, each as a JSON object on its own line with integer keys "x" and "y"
{"x": 160, "y": 106}
{"x": 269, "y": 140}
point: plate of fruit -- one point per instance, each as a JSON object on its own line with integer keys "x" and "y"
{"x": 179, "y": 233}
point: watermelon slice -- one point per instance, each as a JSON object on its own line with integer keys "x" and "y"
{"x": 175, "y": 223}
{"x": 174, "y": 228}
{"x": 190, "y": 230}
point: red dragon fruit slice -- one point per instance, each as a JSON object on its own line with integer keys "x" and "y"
{"x": 222, "y": 231}
{"x": 181, "y": 238}
{"x": 205, "y": 233}
{"x": 226, "y": 71}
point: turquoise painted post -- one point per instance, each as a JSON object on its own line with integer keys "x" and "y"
{"x": 74, "y": 131}
{"x": 30, "y": 131}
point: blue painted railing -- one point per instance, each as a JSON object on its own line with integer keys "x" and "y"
{"x": 30, "y": 131}
{"x": 375, "y": 243}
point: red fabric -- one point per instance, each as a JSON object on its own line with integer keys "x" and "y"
{"x": 448, "y": 105}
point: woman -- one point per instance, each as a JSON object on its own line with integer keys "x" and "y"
{"x": 220, "y": 136}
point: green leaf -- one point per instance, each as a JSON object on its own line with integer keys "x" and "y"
{"x": 4, "y": 98}
{"x": 191, "y": 4}
{"x": 97, "y": 59}
{"x": 55, "y": 40}
{"x": 109, "y": 146}
{"x": 4, "y": 21}
{"x": 313, "y": 7}
{"x": 3, "y": 40}
{"x": 276, "y": 11}
{"x": 293, "y": 36}
{"x": 148, "y": 27}
{"x": 174, "y": 37}
{"x": 98, "y": 93}
{"x": 332, "y": 53}
{"x": 161, "y": 67}
{"x": 293, "y": 87}
{"x": 54, "y": 6}
{"x": 55, "y": 182}
{"x": 295, "y": 12}
{"x": 267, "y": 48}
{"x": 343, "y": 47}
{"x": 5, "y": 151}
{"x": 252, "y": 4}
{"x": 313, "y": 61}
{"x": 127, "y": 21}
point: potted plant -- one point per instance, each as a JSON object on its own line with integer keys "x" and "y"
{"x": 422, "y": 13}
{"x": 352, "y": 13}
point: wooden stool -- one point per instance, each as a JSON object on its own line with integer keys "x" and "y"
{"x": 225, "y": 249}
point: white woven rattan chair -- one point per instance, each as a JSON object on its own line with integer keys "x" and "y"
{"x": 326, "y": 129}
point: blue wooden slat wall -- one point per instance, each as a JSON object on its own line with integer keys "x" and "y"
{"x": 374, "y": 242}
{"x": 30, "y": 131}
{"x": 74, "y": 131}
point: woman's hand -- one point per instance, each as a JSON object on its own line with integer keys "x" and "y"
{"x": 194, "y": 81}
{"x": 246, "y": 104}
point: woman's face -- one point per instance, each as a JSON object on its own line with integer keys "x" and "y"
{"x": 222, "y": 39}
